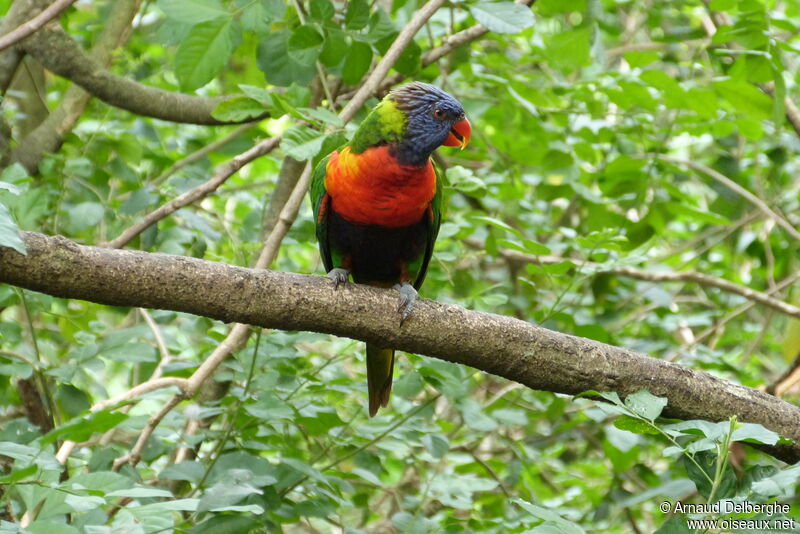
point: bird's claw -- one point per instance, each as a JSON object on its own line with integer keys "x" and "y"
{"x": 339, "y": 276}
{"x": 408, "y": 295}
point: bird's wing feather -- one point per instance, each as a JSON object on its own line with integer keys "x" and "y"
{"x": 433, "y": 227}
{"x": 320, "y": 203}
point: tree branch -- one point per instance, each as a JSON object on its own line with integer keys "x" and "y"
{"x": 519, "y": 351}
{"x": 27, "y": 28}
{"x": 19, "y": 12}
{"x": 49, "y": 134}
{"x": 60, "y": 54}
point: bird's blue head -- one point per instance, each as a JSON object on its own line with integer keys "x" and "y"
{"x": 432, "y": 118}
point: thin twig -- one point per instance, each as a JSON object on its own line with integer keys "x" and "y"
{"x": 449, "y": 44}
{"x": 27, "y": 28}
{"x": 285, "y": 220}
{"x": 136, "y": 452}
{"x": 663, "y": 276}
{"x": 145, "y": 387}
{"x": 200, "y": 192}
{"x": 166, "y": 357}
{"x": 736, "y": 188}
{"x": 788, "y": 380}
{"x": 201, "y": 153}
{"x": 373, "y": 81}
{"x": 783, "y": 284}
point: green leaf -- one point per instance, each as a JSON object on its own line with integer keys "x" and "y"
{"x": 558, "y": 523}
{"x": 410, "y": 60}
{"x": 357, "y": 15}
{"x": 320, "y": 421}
{"x": 140, "y": 492}
{"x": 502, "y": 17}
{"x": 12, "y": 175}
{"x": 645, "y": 404}
{"x": 474, "y": 416}
{"x": 745, "y": 98}
{"x": 321, "y": 10}
{"x": 702, "y": 471}
{"x": 278, "y": 67}
{"x": 193, "y": 11}
{"x": 323, "y": 115}
{"x": 552, "y": 7}
{"x": 205, "y": 51}
{"x": 779, "y": 484}
{"x": 334, "y": 51}
{"x": 187, "y": 470}
{"x": 302, "y": 143}
{"x": 225, "y": 494}
{"x": 716, "y": 432}
{"x": 305, "y": 44}
{"x": 357, "y": 62}
{"x": 681, "y": 208}
{"x": 436, "y": 444}
{"x": 257, "y": 15}
{"x": 19, "y": 474}
{"x": 9, "y": 232}
{"x": 227, "y": 524}
{"x": 569, "y": 50}
{"x": 11, "y": 188}
{"x": 751, "y": 432}
{"x": 259, "y": 94}
{"x": 47, "y": 526}
{"x": 17, "y": 451}
{"x": 82, "y": 428}
{"x": 72, "y": 400}
{"x": 675, "y": 525}
{"x": 176, "y": 505}
{"x": 85, "y": 215}
{"x": 238, "y": 109}
{"x": 632, "y": 424}
{"x": 498, "y": 223}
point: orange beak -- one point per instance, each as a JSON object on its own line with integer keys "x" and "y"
{"x": 459, "y": 134}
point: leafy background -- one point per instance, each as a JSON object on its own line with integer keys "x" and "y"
{"x": 597, "y": 128}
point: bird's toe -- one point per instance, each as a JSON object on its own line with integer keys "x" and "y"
{"x": 339, "y": 276}
{"x": 408, "y": 295}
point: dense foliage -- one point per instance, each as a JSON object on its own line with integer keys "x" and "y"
{"x": 603, "y": 135}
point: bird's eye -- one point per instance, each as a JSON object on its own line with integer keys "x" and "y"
{"x": 439, "y": 113}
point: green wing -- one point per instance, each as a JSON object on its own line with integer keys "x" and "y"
{"x": 320, "y": 203}
{"x": 433, "y": 228}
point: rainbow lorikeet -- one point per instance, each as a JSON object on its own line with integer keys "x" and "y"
{"x": 378, "y": 203}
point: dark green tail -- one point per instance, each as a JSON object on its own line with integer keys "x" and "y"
{"x": 380, "y": 365}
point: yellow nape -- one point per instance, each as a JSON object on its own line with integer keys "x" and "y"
{"x": 392, "y": 120}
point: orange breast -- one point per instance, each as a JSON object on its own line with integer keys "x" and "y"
{"x": 372, "y": 188}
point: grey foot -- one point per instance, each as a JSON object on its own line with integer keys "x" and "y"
{"x": 408, "y": 295}
{"x": 339, "y": 276}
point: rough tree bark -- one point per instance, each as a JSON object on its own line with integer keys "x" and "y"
{"x": 534, "y": 356}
